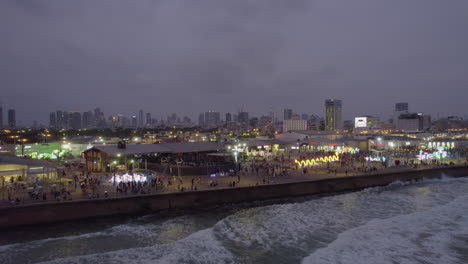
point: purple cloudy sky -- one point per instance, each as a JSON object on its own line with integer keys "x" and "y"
{"x": 186, "y": 57}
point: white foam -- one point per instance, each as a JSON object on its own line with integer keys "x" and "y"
{"x": 200, "y": 247}
{"x": 421, "y": 237}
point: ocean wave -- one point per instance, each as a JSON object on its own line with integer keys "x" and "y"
{"x": 200, "y": 247}
{"x": 420, "y": 237}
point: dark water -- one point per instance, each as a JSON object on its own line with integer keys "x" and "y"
{"x": 423, "y": 222}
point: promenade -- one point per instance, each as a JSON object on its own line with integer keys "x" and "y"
{"x": 102, "y": 186}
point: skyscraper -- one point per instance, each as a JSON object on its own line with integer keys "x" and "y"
{"x": 74, "y": 119}
{"x": 201, "y": 120}
{"x": 134, "y": 120}
{"x": 243, "y": 118}
{"x": 88, "y": 119}
{"x": 212, "y": 119}
{"x": 99, "y": 120}
{"x": 333, "y": 116}
{"x": 11, "y": 118}
{"x": 228, "y": 117}
{"x": 66, "y": 118}
{"x": 52, "y": 121}
{"x": 148, "y": 119}
{"x": 59, "y": 119}
{"x": 288, "y": 114}
{"x": 140, "y": 119}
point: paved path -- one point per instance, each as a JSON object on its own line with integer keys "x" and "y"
{"x": 202, "y": 182}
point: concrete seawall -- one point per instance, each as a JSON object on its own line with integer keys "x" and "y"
{"x": 76, "y": 210}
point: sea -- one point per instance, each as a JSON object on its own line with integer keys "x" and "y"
{"x": 404, "y": 222}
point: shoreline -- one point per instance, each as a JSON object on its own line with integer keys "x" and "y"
{"x": 48, "y": 213}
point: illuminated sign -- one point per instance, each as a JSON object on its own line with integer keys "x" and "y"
{"x": 316, "y": 161}
{"x": 360, "y": 122}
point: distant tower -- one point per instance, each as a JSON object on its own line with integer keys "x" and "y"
{"x": 201, "y": 120}
{"x": 11, "y": 118}
{"x": 59, "y": 120}
{"x": 74, "y": 119}
{"x": 148, "y": 119}
{"x": 134, "y": 121}
{"x": 140, "y": 119}
{"x": 333, "y": 115}
{"x": 228, "y": 118}
{"x": 243, "y": 118}
{"x": 288, "y": 114}
{"x": 52, "y": 121}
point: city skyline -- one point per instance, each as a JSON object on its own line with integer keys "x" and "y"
{"x": 254, "y": 56}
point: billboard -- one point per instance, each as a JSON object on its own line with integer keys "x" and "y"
{"x": 360, "y": 122}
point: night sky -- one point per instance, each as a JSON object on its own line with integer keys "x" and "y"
{"x": 187, "y": 57}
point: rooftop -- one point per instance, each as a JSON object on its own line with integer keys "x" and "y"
{"x": 184, "y": 147}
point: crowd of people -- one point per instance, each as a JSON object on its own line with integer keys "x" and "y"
{"x": 254, "y": 170}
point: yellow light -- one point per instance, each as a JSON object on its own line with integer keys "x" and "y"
{"x": 315, "y": 161}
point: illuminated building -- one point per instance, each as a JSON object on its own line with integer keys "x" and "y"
{"x": 366, "y": 122}
{"x": 333, "y": 115}
{"x": 12, "y": 167}
{"x": 289, "y": 125}
{"x": 414, "y": 122}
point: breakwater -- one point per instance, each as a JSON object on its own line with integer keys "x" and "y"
{"x": 75, "y": 210}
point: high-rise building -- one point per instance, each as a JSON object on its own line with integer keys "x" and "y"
{"x": 88, "y": 119}
{"x": 52, "y": 121}
{"x": 74, "y": 119}
{"x": 140, "y": 119}
{"x": 11, "y": 118}
{"x": 305, "y": 117}
{"x": 99, "y": 120}
{"x": 134, "y": 121}
{"x": 148, "y": 119}
{"x": 67, "y": 120}
{"x": 401, "y": 107}
{"x": 333, "y": 115}
{"x": 243, "y": 118}
{"x": 59, "y": 119}
{"x": 288, "y": 114}
{"x": 228, "y": 117}
{"x": 212, "y": 119}
{"x": 201, "y": 120}
{"x": 1, "y": 117}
